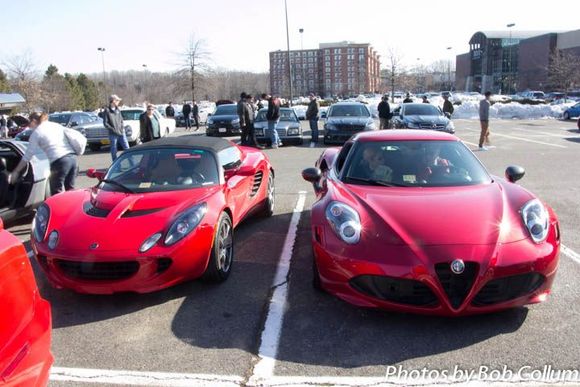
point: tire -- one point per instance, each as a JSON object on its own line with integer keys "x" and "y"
{"x": 270, "y": 197}
{"x": 300, "y": 141}
{"x": 566, "y": 116}
{"x": 95, "y": 147}
{"x": 222, "y": 251}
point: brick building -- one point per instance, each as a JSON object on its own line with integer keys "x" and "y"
{"x": 343, "y": 68}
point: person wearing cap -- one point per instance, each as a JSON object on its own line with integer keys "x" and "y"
{"x": 113, "y": 121}
{"x": 384, "y": 112}
{"x": 312, "y": 116}
{"x": 408, "y": 99}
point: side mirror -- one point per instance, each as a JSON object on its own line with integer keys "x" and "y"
{"x": 95, "y": 173}
{"x": 312, "y": 175}
{"x": 74, "y": 123}
{"x": 514, "y": 173}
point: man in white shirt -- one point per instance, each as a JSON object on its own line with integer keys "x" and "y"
{"x": 50, "y": 138}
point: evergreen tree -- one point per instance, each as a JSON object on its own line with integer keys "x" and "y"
{"x": 89, "y": 91}
{"x": 75, "y": 94}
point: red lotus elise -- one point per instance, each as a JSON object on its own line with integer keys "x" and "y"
{"x": 412, "y": 221}
{"x": 163, "y": 213}
{"x": 25, "y": 322}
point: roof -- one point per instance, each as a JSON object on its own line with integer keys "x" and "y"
{"x": 405, "y": 135}
{"x": 10, "y": 100}
{"x": 515, "y": 34}
{"x": 195, "y": 141}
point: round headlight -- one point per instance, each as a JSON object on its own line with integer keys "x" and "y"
{"x": 52, "y": 240}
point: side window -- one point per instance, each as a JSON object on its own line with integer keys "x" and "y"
{"x": 230, "y": 158}
{"x": 341, "y": 158}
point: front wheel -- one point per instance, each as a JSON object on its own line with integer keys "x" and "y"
{"x": 566, "y": 116}
{"x": 270, "y": 195}
{"x": 222, "y": 251}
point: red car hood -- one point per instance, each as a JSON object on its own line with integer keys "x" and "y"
{"x": 119, "y": 221}
{"x": 469, "y": 215}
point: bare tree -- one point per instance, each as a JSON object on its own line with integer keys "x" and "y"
{"x": 194, "y": 62}
{"x": 394, "y": 69}
{"x": 23, "y": 77}
{"x": 563, "y": 71}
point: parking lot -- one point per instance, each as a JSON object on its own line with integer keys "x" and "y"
{"x": 232, "y": 333}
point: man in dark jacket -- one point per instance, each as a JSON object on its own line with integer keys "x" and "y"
{"x": 169, "y": 111}
{"x": 149, "y": 125}
{"x": 242, "y": 117}
{"x": 195, "y": 114}
{"x": 312, "y": 116}
{"x": 447, "y": 105}
{"x": 113, "y": 121}
{"x": 186, "y": 110}
{"x": 249, "y": 115}
{"x": 384, "y": 112}
{"x": 408, "y": 99}
{"x": 273, "y": 117}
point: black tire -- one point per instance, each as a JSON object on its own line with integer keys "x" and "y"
{"x": 566, "y": 116}
{"x": 300, "y": 141}
{"x": 270, "y": 197}
{"x": 95, "y": 147}
{"x": 222, "y": 251}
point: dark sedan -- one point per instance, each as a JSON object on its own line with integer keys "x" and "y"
{"x": 421, "y": 116}
{"x": 345, "y": 119}
{"x": 224, "y": 122}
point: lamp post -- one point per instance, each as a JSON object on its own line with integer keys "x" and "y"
{"x": 102, "y": 50}
{"x": 510, "y": 67}
{"x": 288, "y": 52}
{"x": 302, "y": 89}
{"x": 449, "y": 69}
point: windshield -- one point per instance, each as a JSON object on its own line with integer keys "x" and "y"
{"x": 131, "y": 115}
{"x": 229, "y": 110}
{"x": 154, "y": 170}
{"x": 59, "y": 118}
{"x": 349, "y": 111}
{"x": 285, "y": 115}
{"x": 414, "y": 163}
{"x": 421, "y": 110}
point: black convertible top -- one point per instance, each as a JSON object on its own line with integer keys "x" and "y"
{"x": 212, "y": 143}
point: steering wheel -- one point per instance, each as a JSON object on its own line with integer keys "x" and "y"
{"x": 198, "y": 178}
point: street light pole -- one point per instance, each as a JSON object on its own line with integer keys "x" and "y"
{"x": 288, "y": 52}
{"x": 510, "y": 67}
{"x": 302, "y": 89}
{"x": 449, "y": 70}
{"x": 102, "y": 50}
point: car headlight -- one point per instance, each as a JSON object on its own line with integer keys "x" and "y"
{"x": 370, "y": 126}
{"x": 293, "y": 132}
{"x": 345, "y": 221}
{"x": 128, "y": 131}
{"x": 236, "y": 121}
{"x": 536, "y": 219}
{"x": 450, "y": 126}
{"x": 329, "y": 127}
{"x": 412, "y": 125}
{"x": 209, "y": 121}
{"x": 53, "y": 239}
{"x": 40, "y": 222}
{"x": 150, "y": 242}
{"x": 185, "y": 224}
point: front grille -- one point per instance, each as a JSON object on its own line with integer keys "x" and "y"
{"x": 257, "y": 182}
{"x": 397, "y": 290}
{"x": 95, "y": 271}
{"x": 281, "y": 132}
{"x": 456, "y": 286}
{"x": 431, "y": 126}
{"x": 223, "y": 124}
{"x": 96, "y": 132}
{"x": 349, "y": 128}
{"x": 508, "y": 288}
{"x": 91, "y": 210}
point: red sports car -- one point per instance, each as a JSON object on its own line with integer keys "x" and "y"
{"x": 25, "y": 357}
{"x": 163, "y": 213}
{"x": 412, "y": 221}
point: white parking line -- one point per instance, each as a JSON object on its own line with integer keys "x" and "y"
{"x": 30, "y": 254}
{"x": 264, "y": 368}
{"x": 570, "y": 253}
{"x": 522, "y": 139}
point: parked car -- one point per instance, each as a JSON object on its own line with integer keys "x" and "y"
{"x": 571, "y": 112}
{"x": 21, "y": 125}
{"x": 300, "y": 111}
{"x": 533, "y": 94}
{"x": 224, "y": 122}
{"x": 25, "y": 357}
{"x": 343, "y": 119}
{"x": 288, "y": 128}
{"x": 394, "y": 227}
{"x": 554, "y": 96}
{"x": 421, "y": 116}
{"x": 32, "y": 188}
{"x": 73, "y": 119}
{"x": 97, "y": 135}
{"x": 175, "y": 202}
{"x": 24, "y": 135}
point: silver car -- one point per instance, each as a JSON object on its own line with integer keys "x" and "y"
{"x": 288, "y": 128}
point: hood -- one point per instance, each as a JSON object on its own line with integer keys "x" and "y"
{"x": 116, "y": 220}
{"x": 436, "y": 120}
{"x": 349, "y": 120}
{"x": 469, "y": 215}
{"x": 281, "y": 124}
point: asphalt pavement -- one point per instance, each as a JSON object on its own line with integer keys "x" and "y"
{"x": 202, "y": 334}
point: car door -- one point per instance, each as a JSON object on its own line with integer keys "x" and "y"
{"x": 238, "y": 182}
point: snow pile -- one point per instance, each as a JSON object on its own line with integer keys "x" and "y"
{"x": 513, "y": 110}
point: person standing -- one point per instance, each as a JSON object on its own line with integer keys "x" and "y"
{"x": 384, "y": 112}
{"x": 113, "y": 121}
{"x": 484, "y": 106}
{"x": 150, "y": 128}
{"x": 312, "y": 115}
{"x": 447, "y": 105}
{"x": 3, "y": 127}
{"x": 242, "y": 116}
{"x": 425, "y": 100}
{"x": 50, "y": 138}
{"x": 169, "y": 110}
{"x": 195, "y": 114}
{"x": 249, "y": 115}
{"x": 273, "y": 117}
{"x": 408, "y": 99}
{"x": 186, "y": 110}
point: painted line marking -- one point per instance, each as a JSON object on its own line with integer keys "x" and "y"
{"x": 470, "y": 143}
{"x": 138, "y": 378}
{"x": 570, "y": 253}
{"x": 30, "y": 254}
{"x": 523, "y": 139}
{"x": 532, "y": 132}
{"x": 270, "y": 340}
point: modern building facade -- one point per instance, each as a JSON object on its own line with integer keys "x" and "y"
{"x": 511, "y": 61}
{"x": 343, "y": 68}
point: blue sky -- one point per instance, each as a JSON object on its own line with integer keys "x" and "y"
{"x": 239, "y": 34}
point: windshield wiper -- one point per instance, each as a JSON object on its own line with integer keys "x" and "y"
{"x": 120, "y": 185}
{"x": 376, "y": 182}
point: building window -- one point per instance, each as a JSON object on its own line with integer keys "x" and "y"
{"x": 336, "y": 51}
{"x": 361, "y": 50}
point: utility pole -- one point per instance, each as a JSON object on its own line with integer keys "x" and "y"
{"x": 288, "y": 52}
{"x": 510, "y": 67}
{"x": 102, "y": 50}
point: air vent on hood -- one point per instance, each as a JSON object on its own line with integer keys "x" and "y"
{"x": 257, "y": 182}
{"x": 91, "y": 210}
{"x": 135, "y": 213}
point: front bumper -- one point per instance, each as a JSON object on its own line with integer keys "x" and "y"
{"x": 419, "y": 279}
{"x": 338, "y": 137}
{"x": 222, "y": 130}
{"x": 262, "y": 136}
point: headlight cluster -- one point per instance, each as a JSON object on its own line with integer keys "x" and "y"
{"x": 450, "y": 126}
{"x": 536, "y": 219}
{"x": 412, "y": 125}
{"x": 329, "y": 127}
{"x": 293, "y": 132}
{"x": 40, "y": 222}
{"x": 345, "y": 221}
{"x": 185, "y": 223}
{"x": 370, "y": 126}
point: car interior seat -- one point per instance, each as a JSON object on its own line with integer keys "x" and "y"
{"x": 4, "y": 186}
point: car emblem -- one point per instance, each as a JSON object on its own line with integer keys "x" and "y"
{"x": 434, "y": 126}
{"x": 457, "y": 266}
{"x": 94, "y": 246}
